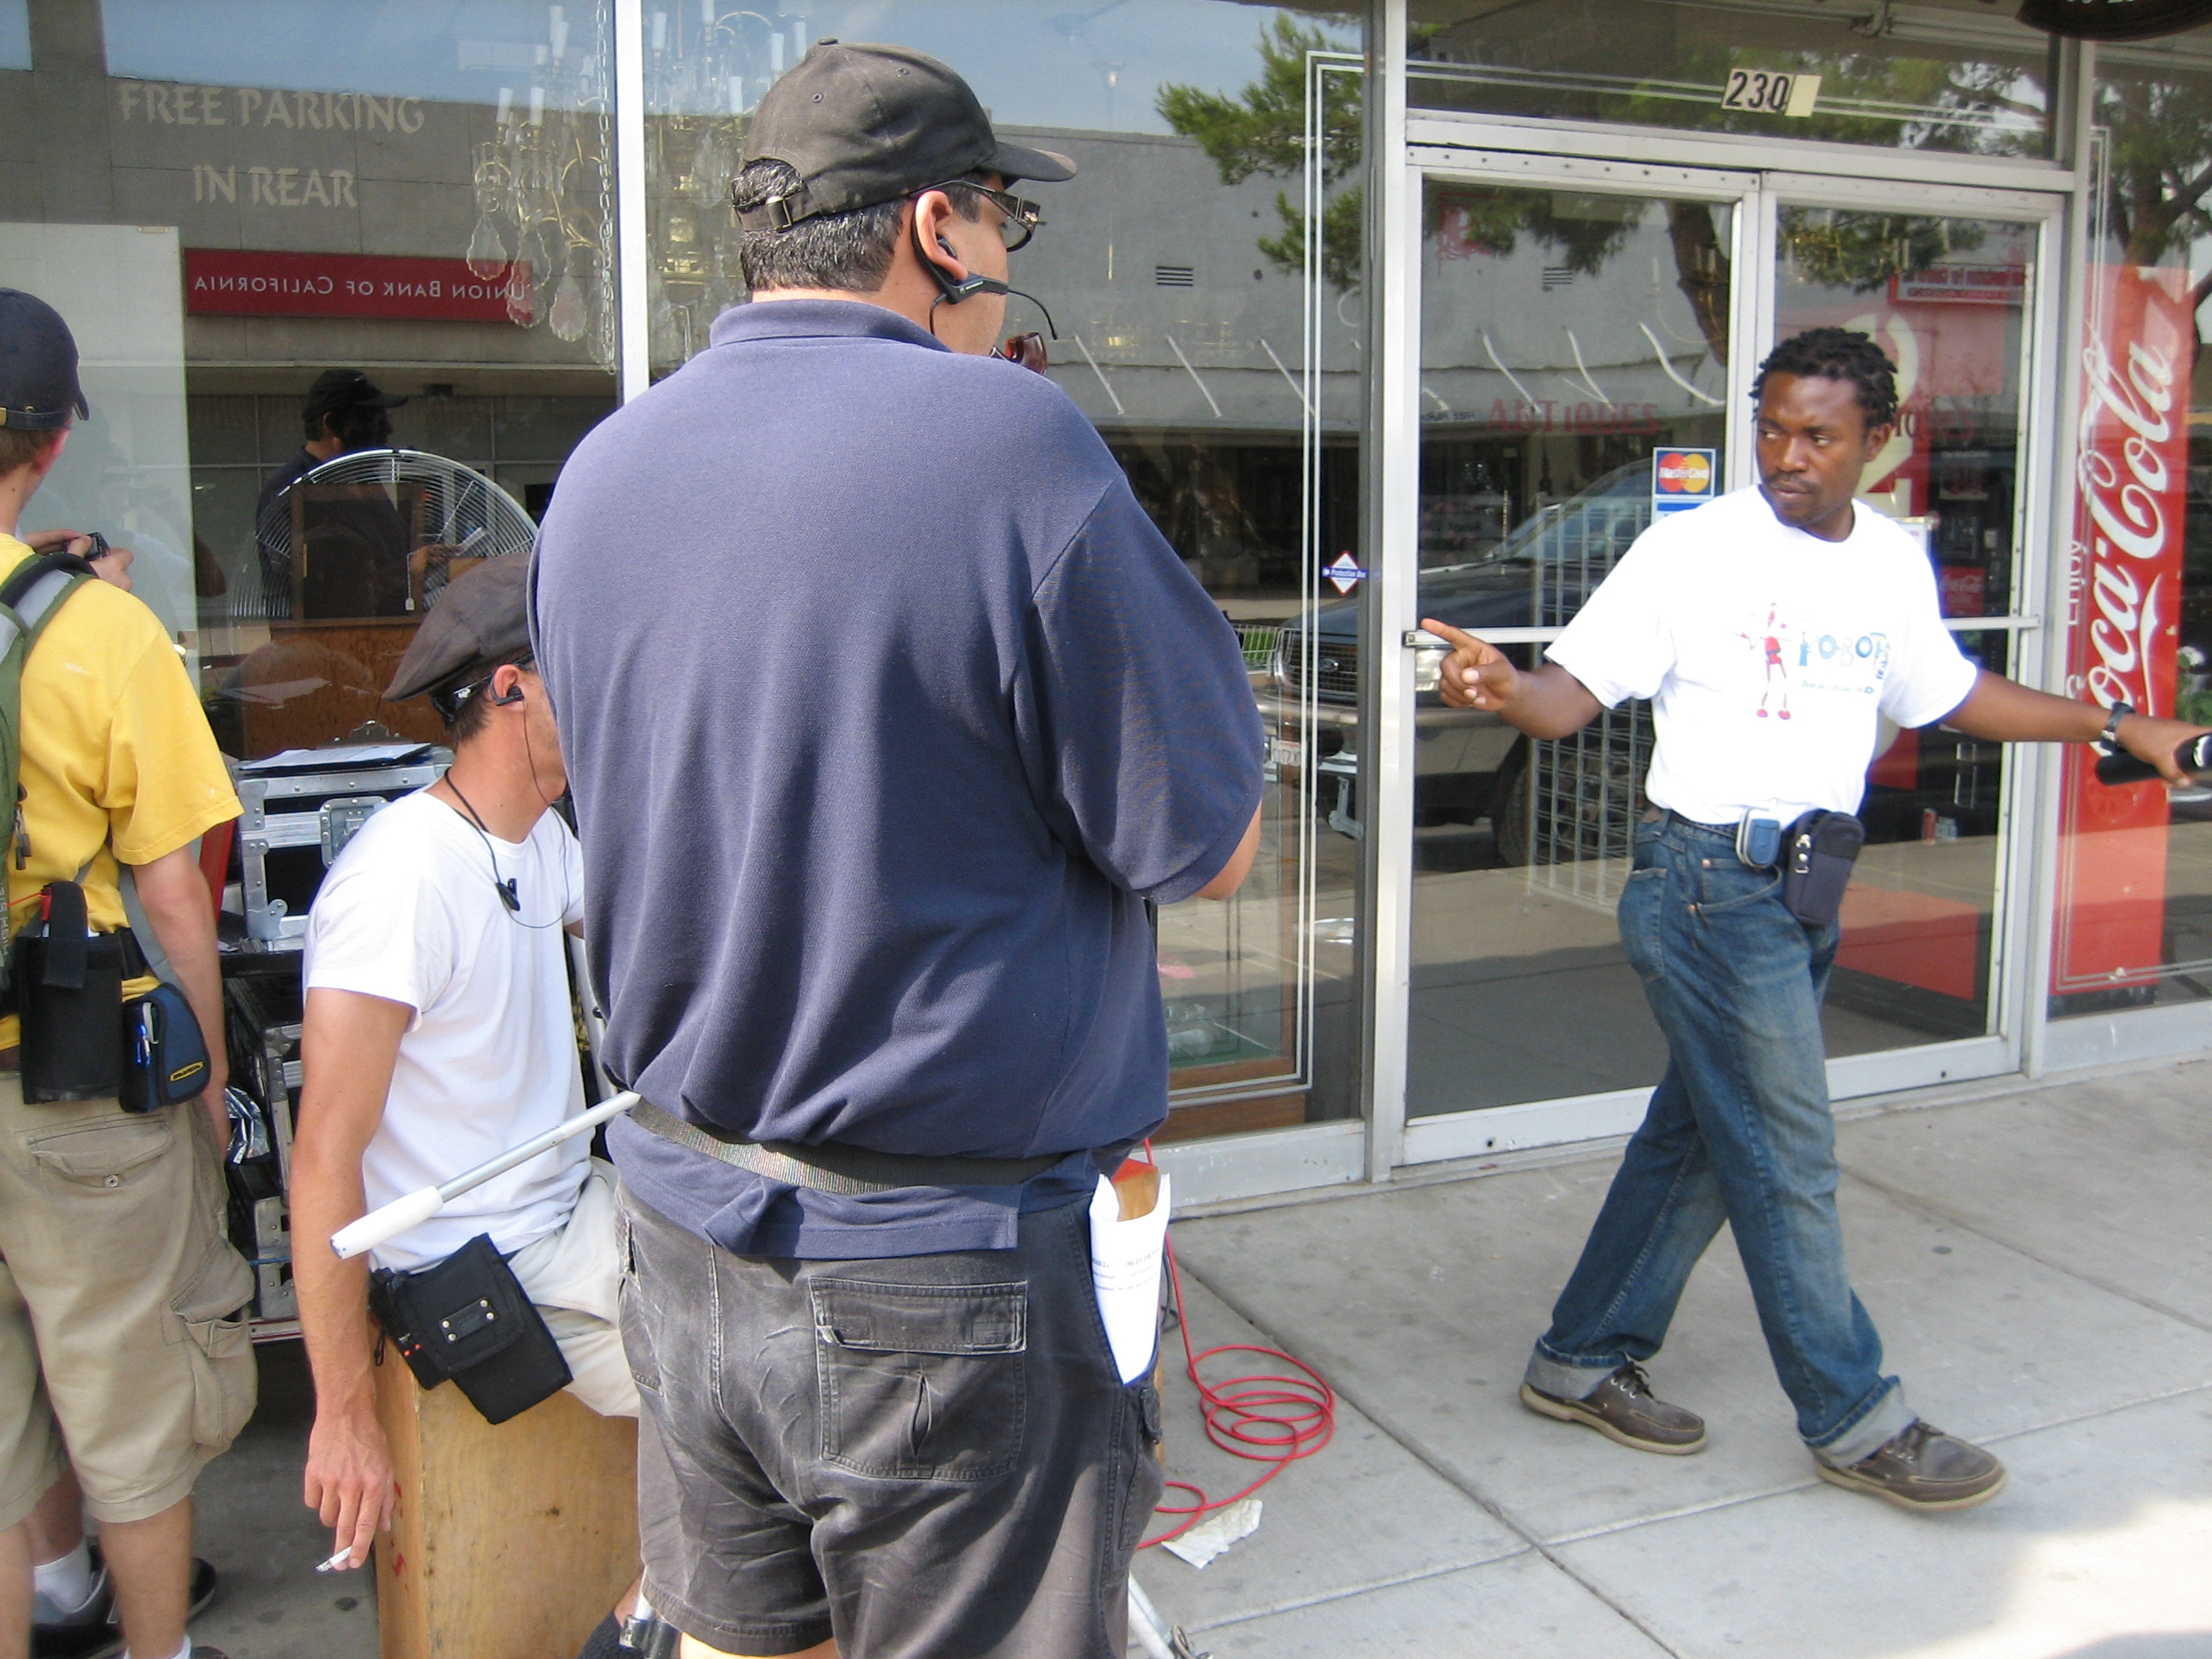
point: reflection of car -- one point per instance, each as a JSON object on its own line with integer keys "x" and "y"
{"x": 1467, "y": 765}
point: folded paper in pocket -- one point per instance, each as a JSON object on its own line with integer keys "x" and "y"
{"x": 1125, "y": 1274}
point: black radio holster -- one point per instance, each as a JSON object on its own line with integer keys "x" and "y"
{"x": 68, "y": 991}
{"x": 468, "y": 1320}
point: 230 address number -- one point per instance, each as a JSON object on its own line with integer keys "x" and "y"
{"x": 1769, "y": 92}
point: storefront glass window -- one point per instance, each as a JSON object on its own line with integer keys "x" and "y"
{"x": 2134, "y": 924}
{"x": 1201, "y": 278}
{"x": 227, "y": 201}
{"x": 1951, "y": 74}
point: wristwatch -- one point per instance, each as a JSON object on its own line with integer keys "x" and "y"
{"x": 2110, "y": 737}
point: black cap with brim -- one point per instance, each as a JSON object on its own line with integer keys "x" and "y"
{"x": 481, "y": 620}
{"x": 345, "y": 388}
{"x": 863, "y": 125}
{"x": 39, "y": 387}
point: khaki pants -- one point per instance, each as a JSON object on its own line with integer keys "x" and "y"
{"x": 122, "y": 1304}
{"x": 573, "y": 1275}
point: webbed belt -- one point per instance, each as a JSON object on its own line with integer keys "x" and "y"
{"x": 851, "y": 1172}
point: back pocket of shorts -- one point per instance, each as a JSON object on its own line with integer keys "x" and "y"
{"x": 921, "y": 1382}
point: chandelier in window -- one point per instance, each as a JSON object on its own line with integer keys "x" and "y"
{"x": 706, "y": 67}
{"x": 544, "y": 190}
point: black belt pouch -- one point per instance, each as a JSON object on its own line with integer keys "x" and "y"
{"x": 68, "y": 983}
{"x": 1818, "y": 855}
{"x": 468, "y": 1320}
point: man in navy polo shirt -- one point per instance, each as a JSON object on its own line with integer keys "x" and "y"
{"x": 887, "y": 710}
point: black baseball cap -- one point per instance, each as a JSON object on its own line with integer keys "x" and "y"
{"x": 481, "y": 620}
{"x": 862, "y": 124}
{"x": 38, "y": 389}
{"x": 345, "y": 388}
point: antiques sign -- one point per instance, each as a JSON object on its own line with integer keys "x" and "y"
{"x": 260, "y": 282}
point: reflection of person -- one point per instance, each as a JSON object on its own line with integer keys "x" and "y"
{"x": 1738, "y": 1129}
{"x": 890, "y": 918}
{"x": 344, "y": 412}
{"x": 122, "y": 1329}
{"x": 438, "y": 1033}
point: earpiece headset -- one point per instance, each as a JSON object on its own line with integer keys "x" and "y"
{"x": 951, "y": 290}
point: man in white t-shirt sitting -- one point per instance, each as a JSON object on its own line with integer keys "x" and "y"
{"x": 1773, "y": 630}
{"x": 438, "y": 1033}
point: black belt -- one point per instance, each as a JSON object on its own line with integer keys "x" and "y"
{"x": 851, "y": 1172}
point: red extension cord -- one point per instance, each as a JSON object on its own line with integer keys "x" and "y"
{"x": 1267, "y": 1418}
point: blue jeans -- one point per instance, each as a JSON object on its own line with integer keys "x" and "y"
{"x": 1738, "y": 1130}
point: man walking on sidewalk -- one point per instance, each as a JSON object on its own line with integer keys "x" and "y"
{"x": 887, "y": 709}
{"x": 1698, "y": 616}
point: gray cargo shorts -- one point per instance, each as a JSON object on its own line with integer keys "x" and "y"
{"x": 927, "y": 1456}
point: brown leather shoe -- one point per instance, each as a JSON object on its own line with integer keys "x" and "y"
{"x": 1924, "y": 1468}
{"x": 1624, "y": 1408}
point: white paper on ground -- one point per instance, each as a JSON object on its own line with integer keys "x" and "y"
{"x": 1216, "y": 1532}
{"x": 1125, "y": 1275}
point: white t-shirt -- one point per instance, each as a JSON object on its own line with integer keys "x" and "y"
{"x": 411, "y": 913}
{"x": 1768, "y": 655}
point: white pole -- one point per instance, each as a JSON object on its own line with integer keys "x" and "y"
{"x": 390, "y": 1220}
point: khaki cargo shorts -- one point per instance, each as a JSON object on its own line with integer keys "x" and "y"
{"x": 122, "y": 1304}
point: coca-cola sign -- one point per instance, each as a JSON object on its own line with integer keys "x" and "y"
{"x": 2124, "y": 592}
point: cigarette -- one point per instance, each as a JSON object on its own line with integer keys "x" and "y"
{"x": 342, "y": 1558}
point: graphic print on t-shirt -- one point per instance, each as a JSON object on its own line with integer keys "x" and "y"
{"x": 1770, "y": 644}
{"x": 1852, "y": 661}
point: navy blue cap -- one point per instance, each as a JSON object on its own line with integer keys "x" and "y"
{"x": 38, "y": 389}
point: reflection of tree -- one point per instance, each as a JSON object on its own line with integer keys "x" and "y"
{"x": 1465, "y": 219}
{"x": 2161, "y": 165}
{"x": 1862, "y": 251}
{"x": 1262, "y": 129}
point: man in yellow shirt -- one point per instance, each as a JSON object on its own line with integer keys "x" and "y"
{"x": 122, "y": 1323}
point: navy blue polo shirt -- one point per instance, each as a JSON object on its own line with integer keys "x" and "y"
{"x": 886, "y": 709}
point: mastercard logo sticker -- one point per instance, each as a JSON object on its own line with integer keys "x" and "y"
{"x": 1682, "y": 474}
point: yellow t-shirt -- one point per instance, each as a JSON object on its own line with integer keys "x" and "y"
{"x": 118, "y": 759}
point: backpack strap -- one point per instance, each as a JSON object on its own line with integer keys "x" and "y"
{"x": 29, "y": 598}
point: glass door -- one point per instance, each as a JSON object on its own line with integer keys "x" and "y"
{"x": 1578, "y": 369}
{"x": 1586, "y": 348}
{"x": 1952, "y": 299}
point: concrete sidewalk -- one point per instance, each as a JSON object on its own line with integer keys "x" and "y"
{"x": 2039, "y": 1263}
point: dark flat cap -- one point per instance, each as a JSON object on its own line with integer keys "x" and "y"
{"x": 864, "y": 124}
{"x": 479, "y": 621}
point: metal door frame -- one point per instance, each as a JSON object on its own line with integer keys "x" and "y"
{"x": 1661, "y": 165}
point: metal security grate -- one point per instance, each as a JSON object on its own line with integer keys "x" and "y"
{"x": 1336, "y": 673}
{"x": 1175, "y": 276}
{"x": 1587, "y": 799}
{"x": 1587, "y": 791}
{"x": 1259, "y": 640}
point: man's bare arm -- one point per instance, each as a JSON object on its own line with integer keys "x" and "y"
{"x": 1545, "y": 701}
{"x": 1239, "y": 866}
{"x": 180, "y": 908}
{"x": 2006, "y": 711}
{"x": 348, "y": 1044}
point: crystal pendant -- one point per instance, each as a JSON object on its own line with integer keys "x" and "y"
{"x": 710, "y": 171}
{"x": 487, "y": 254}
{"x": 566, "y": 316}
{"x": 521, "y": 303}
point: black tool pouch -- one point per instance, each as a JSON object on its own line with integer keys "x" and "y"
{"x": 166, "y": 1058}
{"x": 1818, "y": 853}
{"x": 68, "y": 987}
{"x": 468, "y": 1319}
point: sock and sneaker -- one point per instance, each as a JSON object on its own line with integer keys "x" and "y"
{"x": 65, "y": 1588}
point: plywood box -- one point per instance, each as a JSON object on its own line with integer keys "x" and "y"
{"x": 508, "y": 1542}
